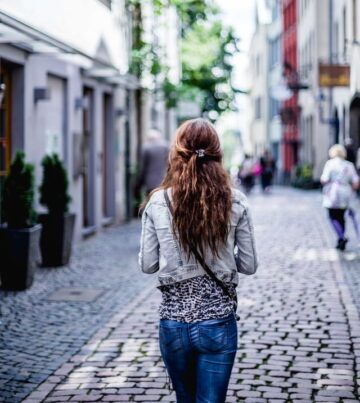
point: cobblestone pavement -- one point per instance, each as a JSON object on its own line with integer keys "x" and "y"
{"x": 299, "y": 333}
{"x": 38, "y": 335}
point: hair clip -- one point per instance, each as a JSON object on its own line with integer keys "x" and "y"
{"x": 200, "y": 152}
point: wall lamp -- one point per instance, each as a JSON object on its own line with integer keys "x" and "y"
{"x": 42, "y": 94}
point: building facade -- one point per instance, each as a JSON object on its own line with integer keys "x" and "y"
{"x": 328, "y": 34}
{"x": 66, "y": 89}
{"x": 259, "y": 94}
{"x": 290, "y": 112}
{"x": 346, "y": 51}
{"x": 275, "y": 67}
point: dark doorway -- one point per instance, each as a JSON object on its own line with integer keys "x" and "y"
{"x": 5, "y": 119}
{"x": 355, "y": 121}
{"x": 5, "y": 124}
{"x": 128, "y": 176}
{"x": 108, "y": 161}
{"x": 336, "y": 127}
{"x": 88, "y": 171}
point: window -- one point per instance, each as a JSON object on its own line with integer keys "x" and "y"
{"x": 336, "y": 41}
{"x": 355, "y": 20}
{"x": 258, "y": 108}
{"x": 107, "y": 3}
{"x": 275, "y": 50}
{"x": 274, "y": 108}
{"x": 344, "y": 30}
{"x": 275, "y": 10}
{"x": 258, "y": 65}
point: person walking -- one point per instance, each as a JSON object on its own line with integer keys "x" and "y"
{"x": 153, "y": 162}
{"x": 246, "y": 173}
{"x": 339, "y": 180}
{"x": 197, "y": 234}
{"x": 351, "y": 156}
{"x": 268, "y": 167}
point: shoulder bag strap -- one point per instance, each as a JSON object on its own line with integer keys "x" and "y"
{"x": 202, "y": 262}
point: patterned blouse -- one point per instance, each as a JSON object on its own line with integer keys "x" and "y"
{"x": 194, "y": 300}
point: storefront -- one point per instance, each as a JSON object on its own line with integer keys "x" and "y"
{"x": 54, "y": 100}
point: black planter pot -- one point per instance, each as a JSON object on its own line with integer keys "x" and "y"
{"x": 19, "y": 256}
{"x": 56, "y": 238}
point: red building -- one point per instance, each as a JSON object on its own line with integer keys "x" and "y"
{"x": 290, "y": 110}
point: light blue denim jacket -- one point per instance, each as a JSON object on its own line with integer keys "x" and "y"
{"x": 161, "y": 252}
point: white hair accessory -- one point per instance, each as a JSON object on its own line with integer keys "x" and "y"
{"x": 200, "y": 152}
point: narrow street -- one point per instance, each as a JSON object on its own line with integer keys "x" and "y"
{"x": 299, "y": 333}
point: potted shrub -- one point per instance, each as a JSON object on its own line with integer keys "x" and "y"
{"x": 303, "y": 177}
{"x": 19, "y": 236}
{"x": 58, "y": 223}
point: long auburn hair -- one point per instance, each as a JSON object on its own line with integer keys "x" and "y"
{"x": 200, "y": 186}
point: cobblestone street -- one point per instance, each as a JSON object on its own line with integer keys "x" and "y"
{"x": 299, "y": 332}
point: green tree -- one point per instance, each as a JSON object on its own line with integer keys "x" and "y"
{"x": 207, "y": 51}
{"x": 207, "y": 48}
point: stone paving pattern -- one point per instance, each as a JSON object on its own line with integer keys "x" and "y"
{"x": 37, "y": 335}
{"x": 299, "y": 333}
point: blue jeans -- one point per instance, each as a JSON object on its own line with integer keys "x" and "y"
{"x": 199, "y": 357}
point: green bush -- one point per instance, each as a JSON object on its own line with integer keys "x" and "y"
{"x": 54, "y": 187}
{"x": 303, "y": 177}
{"x": 19, "y": 193}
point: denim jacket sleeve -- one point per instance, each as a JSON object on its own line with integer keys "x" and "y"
{"x": 246, "y": 256}
{"x": 149, "y": 244}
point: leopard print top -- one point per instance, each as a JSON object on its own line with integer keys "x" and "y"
{"x": 194, "y": 300}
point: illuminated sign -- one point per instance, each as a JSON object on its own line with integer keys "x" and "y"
{"x": 334, "y": 75}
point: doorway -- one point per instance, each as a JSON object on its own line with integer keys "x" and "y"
{"x": 108, "y": 160}
{"x": 355, "y": 121}
{"x": 5, "y": 124}
{"x": 88, "y": 169}
{"x": 56, "y": 118}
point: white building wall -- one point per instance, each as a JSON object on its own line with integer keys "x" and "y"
{"x": 275, "y": 75}
{"x": 259, "y": 122}
{"x": 313, "y": 47}
{"x": 346, "y": 49}
{"x": 87, "y": 25}
{"x": 100, "y": 36}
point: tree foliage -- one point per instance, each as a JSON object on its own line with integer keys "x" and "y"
{"x": 207, "y": 51}
{"x": 207, "y": 47}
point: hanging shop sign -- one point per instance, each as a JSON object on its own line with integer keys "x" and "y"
{"x": 334, "y": 75}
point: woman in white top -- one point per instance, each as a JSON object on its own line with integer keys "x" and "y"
{"x": 339, "y": 179}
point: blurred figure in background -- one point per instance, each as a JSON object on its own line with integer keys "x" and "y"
{"x": 246, "y": 173}
{"x": 339, "y": 180}
{"x": 268, "y": 167}
{"x": 350, "y": 151}
{"x": 154, "y": 161}
{"x": 351, "y": 156}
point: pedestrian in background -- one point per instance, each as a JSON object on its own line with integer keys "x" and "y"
{"x": 268, "y": 167}
{"x": 189, "y": 228}
{"x": 339, "y": 180}
{"x": 153, "y": 162}
{"x": 350, "y": 150}
{"x": 351, "y": 156}
{"x": 246, "y": 173}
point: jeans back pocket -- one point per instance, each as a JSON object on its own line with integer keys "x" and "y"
{"x": 170, "y": 338}
{"x": 213, "y": 338}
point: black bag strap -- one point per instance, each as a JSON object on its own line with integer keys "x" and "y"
{"x": 202, "y": 262}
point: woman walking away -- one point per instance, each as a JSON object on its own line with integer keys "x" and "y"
{"x": 190, "y": 228}
{"x": 339, "y": 179}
